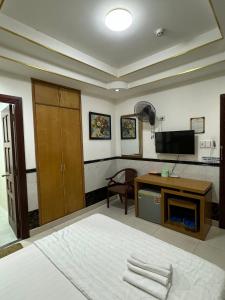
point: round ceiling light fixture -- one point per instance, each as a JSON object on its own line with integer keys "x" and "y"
{"x": 118, "y": 19}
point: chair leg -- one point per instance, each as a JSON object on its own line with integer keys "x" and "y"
{"x": 121, "y": 198}
{"x": 125, "y": 203}
{"x": 108, "y": 199}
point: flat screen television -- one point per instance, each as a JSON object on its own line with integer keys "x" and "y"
{"x": 175, "y": 142}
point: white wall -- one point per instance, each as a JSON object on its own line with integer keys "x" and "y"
{"x": 200, "y": 172}
{"x": 96, "y": 173}
{"x": 20, "y": 86}
{"x": 3, "y": 193}
{"x": 178, "y": 105}
{"x": 95, "y": 149}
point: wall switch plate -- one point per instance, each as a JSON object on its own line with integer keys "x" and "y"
{"x": 202, "y": 144}
{"x": 208, "y": 144}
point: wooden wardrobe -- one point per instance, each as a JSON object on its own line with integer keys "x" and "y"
{"x": 59, "y": 151}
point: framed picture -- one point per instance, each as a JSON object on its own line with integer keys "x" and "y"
{"x": 99, "y": 126}
{"x": 198, "y": 125}
{"x": 128, "y": 128}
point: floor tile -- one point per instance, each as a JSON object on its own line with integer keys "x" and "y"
{"x": 40, "y": 235}
{"x": 215, "y": 238}
{"x": 65, "y": 221}
{"x": 25, "y": 243}
{"x": 6, "y": 233}
{"x": 213, "y": 249}
{"x": 214, "y": 255}
{"x": 177, "y": 239}
{"x": 143, "y": 225}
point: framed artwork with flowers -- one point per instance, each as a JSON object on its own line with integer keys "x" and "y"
{"x": 99, "y": 126}
{"x": 128, "y": 128}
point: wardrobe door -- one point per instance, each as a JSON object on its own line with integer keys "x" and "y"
{"x": 45, "y": 93}
{"x": 49, "y": 162}
{"x": 72, "y": 159}
{"x": 69, "y": 98}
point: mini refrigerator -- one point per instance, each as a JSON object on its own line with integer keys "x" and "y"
{"x": 150, "y": 205}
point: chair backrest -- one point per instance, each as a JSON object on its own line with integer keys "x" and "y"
{"x": 130, "y": 174}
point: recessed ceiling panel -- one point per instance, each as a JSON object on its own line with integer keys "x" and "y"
{"x": 81, "y": 24}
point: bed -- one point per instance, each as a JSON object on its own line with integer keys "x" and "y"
{"x": 87, "y": 260}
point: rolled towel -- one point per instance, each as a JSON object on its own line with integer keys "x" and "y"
{"x": 148, "y": 274}
{"x": 163, "y": 269}
{"x": 147, "y": 285}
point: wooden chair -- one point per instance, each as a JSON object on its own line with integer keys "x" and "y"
{"x": 125, "y": 188}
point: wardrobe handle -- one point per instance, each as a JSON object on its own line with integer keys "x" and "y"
{"x": 63, "y": 167}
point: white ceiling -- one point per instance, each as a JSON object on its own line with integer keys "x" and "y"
{"x": 66, "y": 42}
{"x": 80, "y": 24}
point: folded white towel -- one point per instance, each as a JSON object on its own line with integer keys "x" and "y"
{"x": 154, "y": 276}
{"x": 161, "y": 268}
{"x": 150, "y": 286}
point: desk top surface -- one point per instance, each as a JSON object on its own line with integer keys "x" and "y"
{"x": 185, "y": 184}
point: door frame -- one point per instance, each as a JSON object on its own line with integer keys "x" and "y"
{"x": 222, "y": 162}
{"x": 21, "y": 201}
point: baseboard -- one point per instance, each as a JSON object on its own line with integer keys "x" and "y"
{"x": 215, "y": 211}
{"x": 33, "y": 219}
{"x": 91, "y": 198}
{"x": 96, "y": 196}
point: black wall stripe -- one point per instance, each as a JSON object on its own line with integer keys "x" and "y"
{"x": 95, "y": 197}
{"x": 31, "y": 171}
{"x": 184, "y": 162}
{"x": 99, "y": 160}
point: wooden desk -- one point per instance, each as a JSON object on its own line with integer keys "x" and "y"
{"x": 197, "y": 190}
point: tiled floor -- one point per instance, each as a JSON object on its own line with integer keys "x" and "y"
{"x": 6, "y": 234}
{"x": 213, "y": 249}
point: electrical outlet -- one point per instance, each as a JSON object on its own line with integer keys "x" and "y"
{"x": 208, "y": 144}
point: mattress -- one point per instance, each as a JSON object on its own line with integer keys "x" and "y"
{"x": 92, "y": 255}
{"x": 27, "y": 274}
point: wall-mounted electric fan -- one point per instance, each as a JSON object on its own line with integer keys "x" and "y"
{"x": 146, "y": 112}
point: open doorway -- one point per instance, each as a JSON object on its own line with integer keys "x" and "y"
{"x": 222, "y": 161}
{"x": 7, "y": 234}
{"x": 13, "y": 189}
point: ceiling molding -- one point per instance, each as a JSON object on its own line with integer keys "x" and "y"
{"x": 44, "y": 70}
{"x": 106, "y": 68}
{"x": 180, "y": 73}
{"x": 106, "y": 87}
{"x": 216, "y": 18}
{"x": 133, "y": 69}
{"x": 87, "y": 60}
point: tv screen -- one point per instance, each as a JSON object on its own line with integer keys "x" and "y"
{"x": 175, "y": 142}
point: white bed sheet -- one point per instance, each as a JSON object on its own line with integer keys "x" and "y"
{"x": 92, "y": 254}
{"x": 27, "y": 274}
